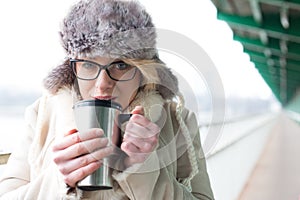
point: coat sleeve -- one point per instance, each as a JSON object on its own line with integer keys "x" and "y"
{"x": 140, "y": 182}
{"x": 19, "y": 180}
{"x": 17, "y": 171}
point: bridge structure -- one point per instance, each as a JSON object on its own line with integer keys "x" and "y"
{"x": 264, "y": 162}
{"x": 269, "y": 31}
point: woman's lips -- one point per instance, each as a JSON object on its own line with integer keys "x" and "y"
{"x": 105, "y": 97}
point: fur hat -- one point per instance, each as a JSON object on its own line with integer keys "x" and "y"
{"x": 109, "y": 28}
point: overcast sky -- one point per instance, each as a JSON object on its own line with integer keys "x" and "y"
{"x": 30, "y": 45}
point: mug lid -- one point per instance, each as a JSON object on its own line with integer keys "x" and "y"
{"x": 98, "y": 102}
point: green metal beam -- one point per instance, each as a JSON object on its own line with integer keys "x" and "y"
{"x": 271, "y": 25}
{"x": 258, "y": 57}
{"x": 273, "y": 45}
{"x": 275, "y": 80}
{"x": 262, "y": 55}
{"x": 292, "y": 66}
{"x": 291, "y": 75}
{"x": 295, "y": 4}
{"x": 265, "y": 66}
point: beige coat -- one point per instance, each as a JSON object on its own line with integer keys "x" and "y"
{"x": 31, "y": 173}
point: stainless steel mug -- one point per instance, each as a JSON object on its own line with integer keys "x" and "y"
{"x": 97, "y": 114}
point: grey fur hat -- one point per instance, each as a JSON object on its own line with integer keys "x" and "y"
{"x": 108, "y": 28}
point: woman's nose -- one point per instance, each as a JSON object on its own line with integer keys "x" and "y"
{"x": 104, "y": 81}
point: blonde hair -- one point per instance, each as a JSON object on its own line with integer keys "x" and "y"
{"x": 148, "y": 69}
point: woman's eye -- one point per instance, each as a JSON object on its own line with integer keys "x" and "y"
{"x": 121, "y": 66}
{"x": 88, "y": 65}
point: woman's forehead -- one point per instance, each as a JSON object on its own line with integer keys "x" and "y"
{"x": 100, "y": 60}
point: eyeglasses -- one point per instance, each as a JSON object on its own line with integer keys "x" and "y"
{"x": 89, "y": 70}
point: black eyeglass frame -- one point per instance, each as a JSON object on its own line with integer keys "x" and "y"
{"x": 105, "y": 67}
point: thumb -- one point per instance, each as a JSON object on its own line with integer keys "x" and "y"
{"x": 138, "y": 110}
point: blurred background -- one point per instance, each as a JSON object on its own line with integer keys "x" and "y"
{"x": 252, "y": 46}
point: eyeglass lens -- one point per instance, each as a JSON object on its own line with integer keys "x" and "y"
{"x": 117, "y": 70}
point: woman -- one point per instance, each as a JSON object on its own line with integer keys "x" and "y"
{"x": 111, "y": 55}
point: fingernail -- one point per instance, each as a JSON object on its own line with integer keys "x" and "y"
{"x": 105, "y": 139}
{"x": 99, "y": 132}
{"x": 70, "y": 132}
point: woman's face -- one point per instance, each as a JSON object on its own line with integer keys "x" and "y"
{"x": 105, "y": 88}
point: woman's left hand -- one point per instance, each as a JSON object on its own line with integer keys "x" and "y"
{"x": 140, "y": 137}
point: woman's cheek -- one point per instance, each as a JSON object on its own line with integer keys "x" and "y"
{"x": 85, "y": 88}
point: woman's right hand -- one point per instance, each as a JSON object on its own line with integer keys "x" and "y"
{"x": 78, "y": 155}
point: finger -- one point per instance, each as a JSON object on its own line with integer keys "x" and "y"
{"x": 129, "y": 148}
{"x": 82, "y": 161}
{"x": 138, "y": 110}
{"x": 77, "y": 137}
{"x": 141, "y": 127}
{"x": 145, "y": 145}
{"x": 91, "y": 133}
{"x": 79, "y": 149}
{"x": 143, "y": 121}
{"x": 138, "y": 117}
{"x": 77, "y": 175}
{"x": 86, "y": 147}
